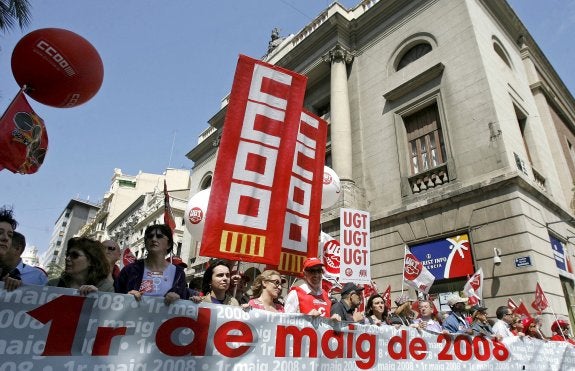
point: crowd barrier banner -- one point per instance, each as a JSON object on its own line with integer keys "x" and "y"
{"x": 48, "y": 328}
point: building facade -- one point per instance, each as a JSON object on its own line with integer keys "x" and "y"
{"x": 449, "y": 125}
{"x": 74, "y": 216}
{"x": 136, "y": 201}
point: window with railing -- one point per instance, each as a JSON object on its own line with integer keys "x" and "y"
{"x": 425, "y": 142}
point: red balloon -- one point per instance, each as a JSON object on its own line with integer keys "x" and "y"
{"x": 60, "y": 68}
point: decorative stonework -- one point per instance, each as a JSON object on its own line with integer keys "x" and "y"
{"x": 338, "y": 54}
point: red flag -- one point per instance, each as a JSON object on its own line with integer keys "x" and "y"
{"x": 511, "y": 304}
{"x": 522, "y": 310}
{"x": 368, "y": 290}
{"x": 168, "y": 216}
{"x": 128, "y": 257}
{"x": 387, "y": 297}
{"x": 23, "y": 138}
{"x": 540, "y": 302}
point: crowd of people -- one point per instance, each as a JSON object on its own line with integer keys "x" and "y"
{"x": 90, "y": 266}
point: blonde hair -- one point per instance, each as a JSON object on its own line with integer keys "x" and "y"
{"x": 258, "y": 285}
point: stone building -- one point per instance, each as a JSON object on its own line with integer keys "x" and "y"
{"x": 449, "y": 125}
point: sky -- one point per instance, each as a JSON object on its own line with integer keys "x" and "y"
{"x": 167, "y": 66}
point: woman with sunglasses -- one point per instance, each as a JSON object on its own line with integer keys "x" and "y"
{"x": 86, "y": 267}
{"x": 153, "y": 275}
{"x": 266, "y": 290}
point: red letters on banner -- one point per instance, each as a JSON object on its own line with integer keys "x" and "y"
{"x": 234, "y": 338}
{"x": 249, "y": 189}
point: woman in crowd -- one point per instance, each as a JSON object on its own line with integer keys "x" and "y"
{"x": 153, "y": 275}
{"x": 403, "y": 314}
{"x": 516, "y": 326}
{"x": 266, "y": 290}
{"x": 560, "y": 330}
{"x": 375, "y": 310}
{"x": 215, "y": 284}
{"x": 86, "y": 268}
{"x": 530, "y": 328}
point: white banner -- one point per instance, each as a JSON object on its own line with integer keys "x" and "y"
{"x": 354, "y": 244}
{"x": 47, "y": 328}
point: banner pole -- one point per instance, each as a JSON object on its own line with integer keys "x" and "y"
{"x": 403, "y": 273}
{"x": 21, "y": 91}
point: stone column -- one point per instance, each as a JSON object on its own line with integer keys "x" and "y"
{"x": 340, "y": 117}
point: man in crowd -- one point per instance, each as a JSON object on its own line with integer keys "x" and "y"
{"x": 504, "y": 318}
{"x": 310, "y": 298}
{"x": 456, "y": 323}
{"x": 15, "y": 266}
{"x": 347, "y": 307}
{"x": 7, "y": 226}
{"x": 113, "y": 254}
{"x": 425, "y": 321}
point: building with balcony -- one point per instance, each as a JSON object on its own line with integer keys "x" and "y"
{"x": 450, "y": 126}
{"x": 137, "y": 201}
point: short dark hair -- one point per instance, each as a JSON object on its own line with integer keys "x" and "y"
{"x": 7, "y": 216}
{"x": 166, "y": 231}
{"x": 501, "y": 311}
{"x": 18, "y": 240}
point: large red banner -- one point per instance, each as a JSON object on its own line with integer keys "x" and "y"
{"x": 247, "y": 203}
{"x": 302, "y": 219}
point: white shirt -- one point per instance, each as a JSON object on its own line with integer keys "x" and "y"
{"x": 501, "y": 328}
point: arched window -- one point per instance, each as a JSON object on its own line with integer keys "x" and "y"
{"x": 206, "y": 182}
{"x": 501, "y": 51}
{"x": 413, "y": 54}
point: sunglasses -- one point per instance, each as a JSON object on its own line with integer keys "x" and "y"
{"x": 74, "y": 255}
{"x": 314, "y": 271}
{"x": 111, "y": 248}
{"x": 158, "y": 235}
{"x": 275, "y": 282}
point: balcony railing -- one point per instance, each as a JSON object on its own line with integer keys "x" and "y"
{"x": 429, "y": 179}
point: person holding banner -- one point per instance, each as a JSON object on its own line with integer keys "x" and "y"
{"x": 7, "y": 226}
{"x": 347, "y": 307}
{"x": 216, "y": 283}
{"x": 531, "y": 329}
{"x": 310, "y": 298}
{"x": 456, "y": 322}
{"x": 480, "y": 324}
{"x": 504, "y": 319}
{"x": 560, "y": 330}
{"x": 403, "y": 314}
{"x": 86, "y": 269}
{"x": 376, "y": 311}
{"x": 266, "y": 290}
{"x": 154, "y": 276}
{"x": 425, "y": 321}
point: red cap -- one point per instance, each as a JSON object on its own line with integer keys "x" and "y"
{"x": 312, "y": 262}
{"x": 176, "y": 260}
{"x": 559, "y": 322}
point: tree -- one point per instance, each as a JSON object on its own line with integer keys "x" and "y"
{"x": 12, "y": 12}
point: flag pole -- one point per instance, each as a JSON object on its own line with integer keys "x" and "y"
{"x": 22, "y": 90}
{"x": 403, "y": 273}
